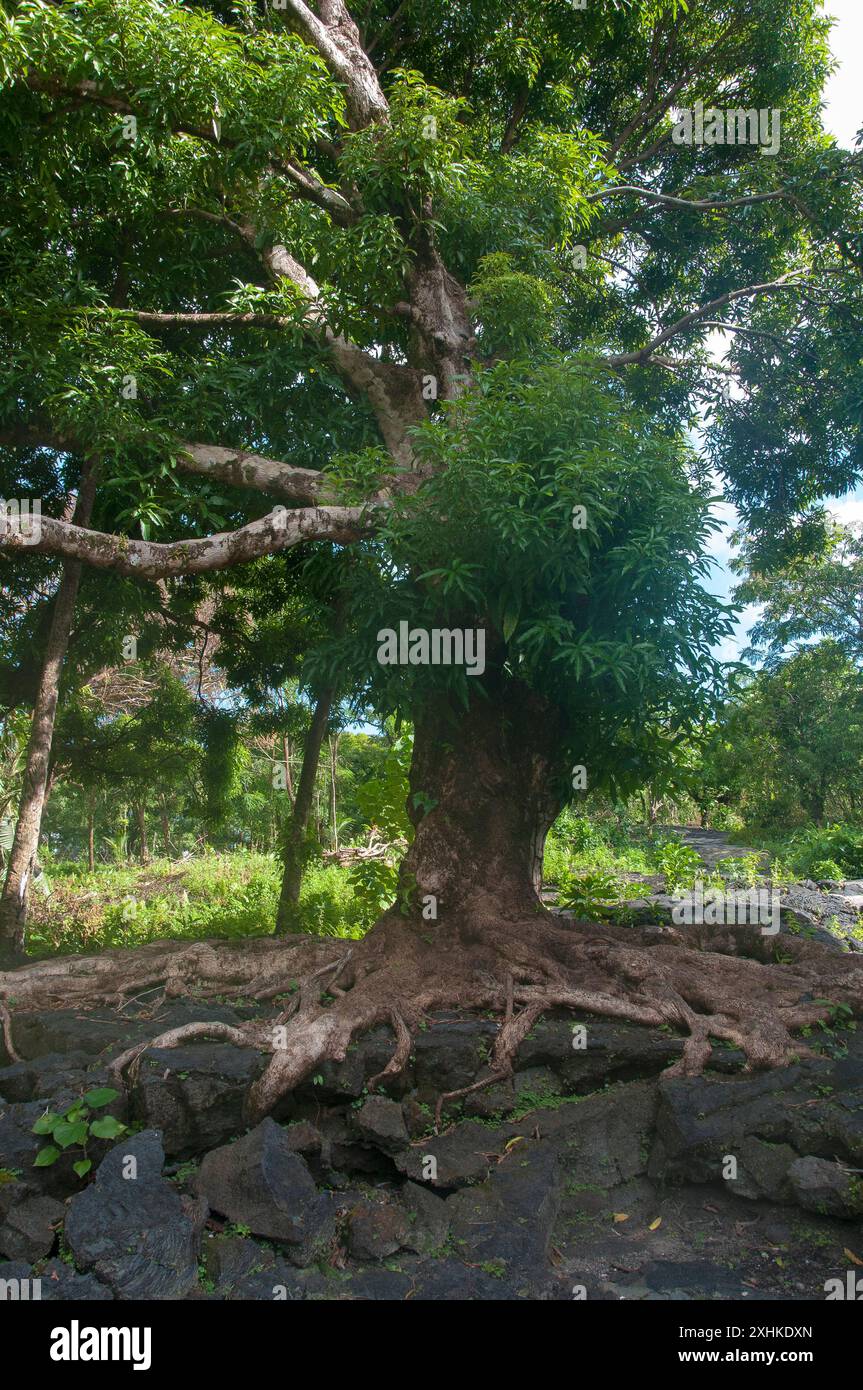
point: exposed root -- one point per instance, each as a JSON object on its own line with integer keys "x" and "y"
{"x": 249, "y": 1035}
{"x": 6, "y": 1022}
{"x": 717, "y": 984}
{"x": 257, "y": 969}
{"x": 401, "y": 1056}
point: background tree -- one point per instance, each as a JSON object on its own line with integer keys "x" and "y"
{"x": 816, "y": 591}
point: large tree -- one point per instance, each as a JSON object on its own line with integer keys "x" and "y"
{"x": 438, "y": 282}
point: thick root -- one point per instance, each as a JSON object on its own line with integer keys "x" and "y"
{"x": 714, "y": 985}
{"x": 257, "y": 969}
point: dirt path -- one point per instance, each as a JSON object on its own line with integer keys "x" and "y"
{"x": 712, "y": 845}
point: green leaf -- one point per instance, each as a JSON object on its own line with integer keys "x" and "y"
{"x": 66, "y": 1133}
{"x": 107, "y": 1128}
{"x": 510, "y": 623}
{"x": 102, "y": 1095}
{"x": 45, "y": 1123}
{"x": 83, "y": 1166}
{"x": 45, "y": 1157}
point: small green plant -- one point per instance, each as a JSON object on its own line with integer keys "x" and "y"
{"x": 827, "y": 868}
{"x": 74, "y": 1128}
{"x": 746, "y": 869}
{"x": 588, "y": 894}
{"x": 679, "y": 864}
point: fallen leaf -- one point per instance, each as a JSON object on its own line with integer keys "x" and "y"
{"x": 855, "y": 1259}
{"x": 621, "y": 1216}
{"x": 654, "y": 1225}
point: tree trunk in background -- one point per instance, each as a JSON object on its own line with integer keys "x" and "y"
{"x": 91, "y": 846}
{"x": 166, "y": 833}
{"x": 334, "y": 756}
{"x": 22, "y": 860}
{"x": 295, "y": 833}
{"x": 289, "y": 781}
{"x": 143, "y": 851}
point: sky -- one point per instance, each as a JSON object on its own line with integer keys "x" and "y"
{"x": 843, "y": 117}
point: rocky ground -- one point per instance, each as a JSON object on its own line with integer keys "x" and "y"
{"x": 827, "y": 911}
{"x": 590, "y": 1175}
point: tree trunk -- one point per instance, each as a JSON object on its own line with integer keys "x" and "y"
{"x": 334, "y": 756}
{"x": 143, "y": 851}
{"x": 486, "y": 786}
{"x": 166, "y": 832}
{"x": 22, "y": 859}
{"x": 294, "y": 855}
{"x": 289, "y": 781}
{"x": 91, "y": 845}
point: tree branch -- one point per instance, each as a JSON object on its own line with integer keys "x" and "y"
{"x": 642, "y": 355}
{"x": 689, "y": 204}
{"x": 277, "y": 531}
{"x": 242, "y": 469}
{"x": 337, "y": 39}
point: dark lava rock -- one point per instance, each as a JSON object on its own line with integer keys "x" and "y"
{"x": 375, "y": 1232}
{"x": 261, "y": 1183}
{"x": 450, "y": 1281}
{"x": 243, "y": 1270}
{"x": 44, "y": 1077}
{"x": 450, "y": 1054}
{"x": 135, "y": 1232}
{"x": 380, "y": 1122}
{"x": 505, "y": 1223}
{"x": 766, "y": 1122}
{"x": 28, "y": 1232}
{"x": 103, "y": 1032}
{"x": 823, "y": 1187}
{"x": 194, "y": 1095}
{"x": 613, "y": 1050}
{"x": 462, "y": 1156}
{"x": 428, "y": 1219}
{"x": 339, "y": 1081}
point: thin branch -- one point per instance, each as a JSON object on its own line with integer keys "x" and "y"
{"x": 690, "y": 204}
{"x": 220, "y": 319}
{"x": 642, "y": 355}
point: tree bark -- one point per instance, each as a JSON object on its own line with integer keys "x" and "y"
{"x": 22, "y": 860}
{"x": 295, "y": 835}
{"x": 91, "y": 845}
{"x": 143, "y": 851}
{"x": 289, "y": 780}
{"x": 486, "y": 785}
{"x": 166, "y": 832}
{"x": 334, "y": 755}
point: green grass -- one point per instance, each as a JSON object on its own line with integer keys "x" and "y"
{"x": 224, "y": 896}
